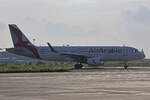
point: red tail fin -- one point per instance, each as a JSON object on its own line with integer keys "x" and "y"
{"x": 20, "y": 40}
{"x": 18, "y": 37}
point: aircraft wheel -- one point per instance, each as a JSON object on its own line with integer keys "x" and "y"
{"x": 125, "y": 66}
{"x": 78, "y": 66}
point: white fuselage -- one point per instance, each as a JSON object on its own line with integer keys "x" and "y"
{"x": 106, "y": 53}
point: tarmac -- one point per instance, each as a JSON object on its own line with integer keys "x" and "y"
{"x": 85, "y": 84}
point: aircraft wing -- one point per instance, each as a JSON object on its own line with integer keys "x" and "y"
{"x": 75, "y": 56}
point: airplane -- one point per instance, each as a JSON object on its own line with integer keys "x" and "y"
{"x": 91, "y": 55}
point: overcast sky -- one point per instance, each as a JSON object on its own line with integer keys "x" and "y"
{"x": 78, "y": 22}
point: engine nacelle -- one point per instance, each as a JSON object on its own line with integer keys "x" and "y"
{"x": 94, "y": 61}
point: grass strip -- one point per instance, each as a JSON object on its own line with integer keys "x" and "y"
{"x": 16, "y": 68}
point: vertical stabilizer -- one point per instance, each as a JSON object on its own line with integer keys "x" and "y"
{"x": 18, "y": 37}
{"x": 21, "y": 41}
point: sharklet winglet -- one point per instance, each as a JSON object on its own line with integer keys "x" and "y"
{"x": 51, "y": 48}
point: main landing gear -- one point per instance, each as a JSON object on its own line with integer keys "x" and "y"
{"x": 78, "y": 66}
{"x": 125, "y": 66}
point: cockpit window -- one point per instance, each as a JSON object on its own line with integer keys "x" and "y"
{"x": 135, "y": 51}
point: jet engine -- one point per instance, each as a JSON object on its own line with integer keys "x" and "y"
{"x": 94, "y": 61}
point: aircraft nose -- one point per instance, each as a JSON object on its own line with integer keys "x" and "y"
{"x": 142, "y": 55}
